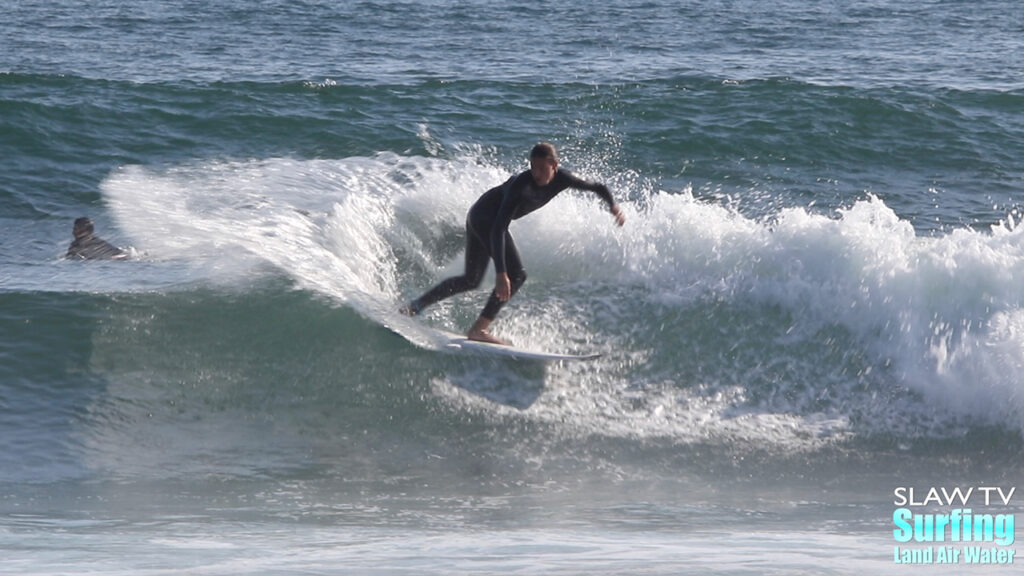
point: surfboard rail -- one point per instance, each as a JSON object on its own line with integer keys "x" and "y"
{"x": 458, "y": 343}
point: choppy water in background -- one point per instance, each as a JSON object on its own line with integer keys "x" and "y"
{"x": 817, "y": 297}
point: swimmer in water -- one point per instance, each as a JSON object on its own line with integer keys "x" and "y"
{"x": 87, "y": 246}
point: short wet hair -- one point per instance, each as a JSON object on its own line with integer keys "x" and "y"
{"x": 83, "y": 224}
{"x": 544, "y": 150}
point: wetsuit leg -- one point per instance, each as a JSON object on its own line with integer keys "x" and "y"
{"x": 516, "y": 274}
{"x": 477, "y": 261}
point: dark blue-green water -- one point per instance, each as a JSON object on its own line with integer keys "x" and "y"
{"x": 817, "y": 298}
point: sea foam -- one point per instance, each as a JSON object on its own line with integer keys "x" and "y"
{"x": 943, "y": 313}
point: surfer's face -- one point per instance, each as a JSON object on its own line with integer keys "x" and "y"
{"x": 543, "y": 170}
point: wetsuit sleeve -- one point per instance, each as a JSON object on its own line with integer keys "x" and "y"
{"x": 95, "y": 249}
{"x": 596, "y": 187}
{"x": 509, "y": 202}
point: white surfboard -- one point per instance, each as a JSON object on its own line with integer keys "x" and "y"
{"x": 459, "y": 343}
{"x": 431, "y": 338}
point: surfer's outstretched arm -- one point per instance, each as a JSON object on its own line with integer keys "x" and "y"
{"x": 605, "y": 194}
{"x": 620, "y": 217}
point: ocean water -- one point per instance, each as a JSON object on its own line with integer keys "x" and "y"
{"x": 817, "y": 298}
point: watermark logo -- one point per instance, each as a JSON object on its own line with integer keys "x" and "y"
{"x": 961, "y": 525}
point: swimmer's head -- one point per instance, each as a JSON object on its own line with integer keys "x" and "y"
{"x": 83, "y": 227}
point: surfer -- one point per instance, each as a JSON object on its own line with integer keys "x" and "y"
{"x": 488, "y": 238}
{"x": 87, "y": 246}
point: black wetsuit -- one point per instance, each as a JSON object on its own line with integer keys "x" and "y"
{"x": 93, "y": 248}
{"x": 487, "y": 235}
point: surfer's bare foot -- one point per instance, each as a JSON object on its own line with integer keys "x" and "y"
{"x": 479, "y": 332}
{"x": 485, "y": 336}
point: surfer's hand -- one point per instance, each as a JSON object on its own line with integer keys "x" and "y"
{"x": 620, "y": 216}
{"x": 503, "y": 287}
